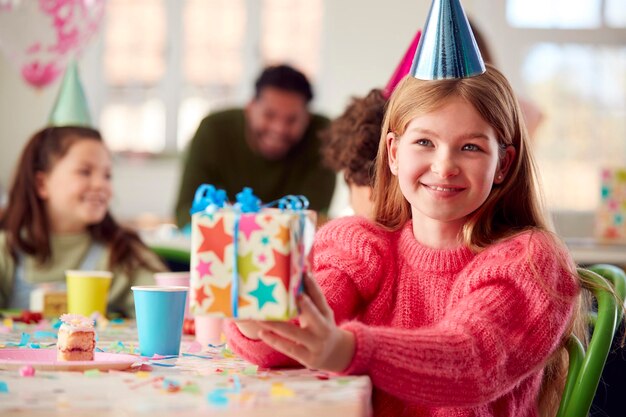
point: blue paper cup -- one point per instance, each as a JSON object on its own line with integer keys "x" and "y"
{"x": 160, "y": 311}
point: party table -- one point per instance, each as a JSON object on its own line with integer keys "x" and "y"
{"x": 201, "y": 381}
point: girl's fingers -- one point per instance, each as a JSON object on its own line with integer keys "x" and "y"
{"x": 248, "y": 328}
{"x": 289, "y": 331}
{"x": 284, "y": 346}
{"x": 317, "y": 297}
{"x": 310, "y": 317}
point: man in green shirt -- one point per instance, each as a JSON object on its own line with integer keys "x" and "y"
{"x": 271, "y": 145}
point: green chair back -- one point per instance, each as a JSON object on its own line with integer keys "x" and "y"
{"x": 585, "y": 369}
{"x": 173, "y": 256}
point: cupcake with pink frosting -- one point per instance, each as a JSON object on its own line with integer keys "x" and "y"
{"x": 76, "y": 339}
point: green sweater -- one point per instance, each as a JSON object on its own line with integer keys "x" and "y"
{"x": 68, "y": 252}
{"x": 220, "y": 155}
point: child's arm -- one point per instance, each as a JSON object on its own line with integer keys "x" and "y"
{"x": 506, "y": 316}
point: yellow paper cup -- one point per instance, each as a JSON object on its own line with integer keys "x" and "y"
{"x": 87, "y": 292}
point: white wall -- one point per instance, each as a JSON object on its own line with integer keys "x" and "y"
{"x": 363, "y": 42}
{"x": 22, "y": 111}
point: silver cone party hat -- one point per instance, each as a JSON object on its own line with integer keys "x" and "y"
{"x": 447, "y": 48}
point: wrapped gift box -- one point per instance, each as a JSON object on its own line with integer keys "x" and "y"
{"x": 271, "y": 252}
{"x": 611, "y": 215}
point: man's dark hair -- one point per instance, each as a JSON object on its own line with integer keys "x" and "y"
{"x": 285, "y": 78}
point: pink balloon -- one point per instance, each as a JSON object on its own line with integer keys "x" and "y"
{"x": 40, "y": 36}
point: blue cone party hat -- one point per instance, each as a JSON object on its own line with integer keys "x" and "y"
{"x": 70, "y": 107}
{"x": 447, "y": 48}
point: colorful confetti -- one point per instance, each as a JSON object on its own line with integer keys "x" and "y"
{"x": 27, "y": 371}
{"x": 170, "y": 385}
{"x": 164, "y": 365}
{"x": 194, "y": 347}
{"x": 198, "y": 356}
{"x": 250, "y": 370}
{"x": 279, "y": 390}
{"x": 23, "y": 341}
{"x": 92, "y": 373}
{"x": 41, "y": 334}
{"x": 191, "y": 388}
{"x": 217, "y": 397}
{"x": 8, "y": 323}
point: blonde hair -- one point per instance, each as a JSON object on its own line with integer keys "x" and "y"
{"x": 513, "y": 206}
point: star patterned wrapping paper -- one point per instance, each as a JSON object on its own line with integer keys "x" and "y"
{"x": 610, "y": 216}
{"x": 269, "y": 262}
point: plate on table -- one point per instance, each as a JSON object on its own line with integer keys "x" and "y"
{"x": 46, "y": 360}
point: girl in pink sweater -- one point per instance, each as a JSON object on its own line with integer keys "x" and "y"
{"x": 456, "y": 300}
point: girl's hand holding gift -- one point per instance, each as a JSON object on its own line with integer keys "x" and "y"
{"x": 316, "y": 341}
{"x": 249, "y": 328}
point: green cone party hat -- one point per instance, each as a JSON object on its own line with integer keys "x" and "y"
{"x": 70, "y": 108}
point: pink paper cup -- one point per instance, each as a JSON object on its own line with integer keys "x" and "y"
{"x": 208, "y": 330}
{"x": 174, "y": 279}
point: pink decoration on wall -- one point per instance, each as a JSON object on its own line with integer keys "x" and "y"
{"x": 40, "y": 37}
{"x": 27, "y": 371}
{"x": 39, "y": 75}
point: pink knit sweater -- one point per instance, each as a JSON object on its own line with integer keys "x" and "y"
{"x": 440, "y": 332}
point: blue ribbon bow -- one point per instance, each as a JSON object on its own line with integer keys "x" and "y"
{"x": 208, "y": 198}
{"x": 247, "y": 202}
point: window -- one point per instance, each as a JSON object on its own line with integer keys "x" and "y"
{"x": 134, "y": 66}
{"x": 554, "y": 13}
{"x": 575, "y": 71}
{"x": 615, "y": 13}
{"x": 213, "y": 37}
{"x": 279, "y": 27}
{"x": 196, "y": 59}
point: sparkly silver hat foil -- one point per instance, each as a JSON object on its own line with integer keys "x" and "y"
{"x": 447, "y": 48}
